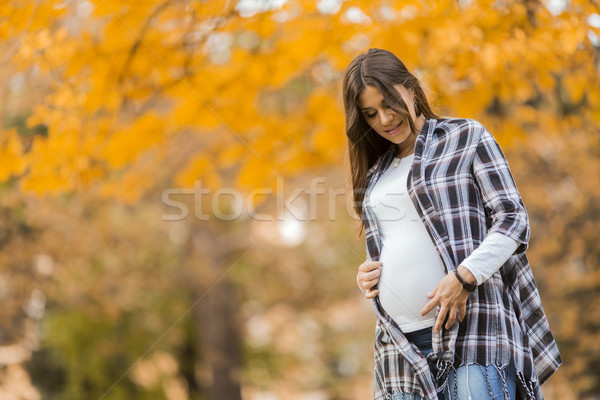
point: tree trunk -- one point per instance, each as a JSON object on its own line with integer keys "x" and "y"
{"x": 216, "y": 316}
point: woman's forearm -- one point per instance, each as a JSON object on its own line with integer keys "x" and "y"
{"x": 491, "y": 254}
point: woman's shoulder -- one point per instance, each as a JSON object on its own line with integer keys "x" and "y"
{"x": 459, "y": 124}
{"x": 467, "y": 129}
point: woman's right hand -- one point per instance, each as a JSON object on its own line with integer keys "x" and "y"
{"x": 368, "y": 276}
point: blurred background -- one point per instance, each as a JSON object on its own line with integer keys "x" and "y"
{"x": 175, "y": 211}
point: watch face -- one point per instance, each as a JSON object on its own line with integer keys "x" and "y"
{"x": 469, "y": 287}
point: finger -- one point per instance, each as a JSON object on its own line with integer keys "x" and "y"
{"x": 433, "y": 292}
{"x": 364, "y": 278}
{"x": 371, "y": 293}
{"x": 374, "y": 265}
{"x": 451, "y": 318}
{"x": 440, "y": 319}
{"x": 429, "y": 306}
{"x": 374, "y": 274}
{"x": 369, "y": 266}
{"x": 372, "y": 282}
{"x": 366, "y": 284}
{"x": 462, "y": 313}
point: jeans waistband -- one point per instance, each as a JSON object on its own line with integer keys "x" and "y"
{"x": 424, "y": 331}
{"x": 421, "y": 338}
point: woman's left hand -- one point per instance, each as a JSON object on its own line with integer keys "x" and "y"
{"x": 451, "y": 297}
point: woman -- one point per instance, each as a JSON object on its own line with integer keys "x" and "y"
{"x": 458, "y": 312}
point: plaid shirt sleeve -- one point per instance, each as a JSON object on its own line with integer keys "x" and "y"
{"x": 503, "y": 204}
{"x": 508, "y": 216}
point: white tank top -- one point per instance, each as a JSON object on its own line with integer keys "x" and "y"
{"x": 411, "y": 265}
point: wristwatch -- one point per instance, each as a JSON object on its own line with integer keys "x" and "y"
{"x": 469, "y": 287}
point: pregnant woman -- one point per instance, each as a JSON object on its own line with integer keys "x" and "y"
{"x": 458, "y": 312}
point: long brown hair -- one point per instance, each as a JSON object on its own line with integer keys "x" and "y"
{"x": 383, "y": 70}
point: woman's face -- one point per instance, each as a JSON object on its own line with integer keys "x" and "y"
{"x": 382, "y": 119}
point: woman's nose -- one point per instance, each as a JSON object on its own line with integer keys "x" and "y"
{"x": 385, "y": 117}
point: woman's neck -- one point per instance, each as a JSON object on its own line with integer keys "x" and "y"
{"x": 407, "y": 147}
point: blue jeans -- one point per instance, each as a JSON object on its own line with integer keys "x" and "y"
{"x": 470, "y": 379}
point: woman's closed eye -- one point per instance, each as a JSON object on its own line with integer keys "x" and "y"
{"x": 375, "y": 113}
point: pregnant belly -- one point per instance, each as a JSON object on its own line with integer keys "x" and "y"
{"x": 407, "y": 275}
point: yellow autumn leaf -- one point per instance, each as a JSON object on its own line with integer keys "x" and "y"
{"x": 576, "y": 84}
{"x": 202, "y": 170}
{"x": 131, "y": 141}
{"x": 11, "y": 154}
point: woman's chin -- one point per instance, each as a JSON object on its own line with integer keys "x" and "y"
{"x": 398, "y": 139}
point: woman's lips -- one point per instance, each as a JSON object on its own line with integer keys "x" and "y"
{"x": 394, "y": 130}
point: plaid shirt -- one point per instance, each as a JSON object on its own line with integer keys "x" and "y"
{"x": 462, "y": 188}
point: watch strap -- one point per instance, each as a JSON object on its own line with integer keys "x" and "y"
{"x": 469, "y": 287}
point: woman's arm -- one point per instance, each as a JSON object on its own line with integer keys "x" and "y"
{"x": 489, "y": 256}
{"x": 505, "y": 214}
{"x": 504, "y": 209}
